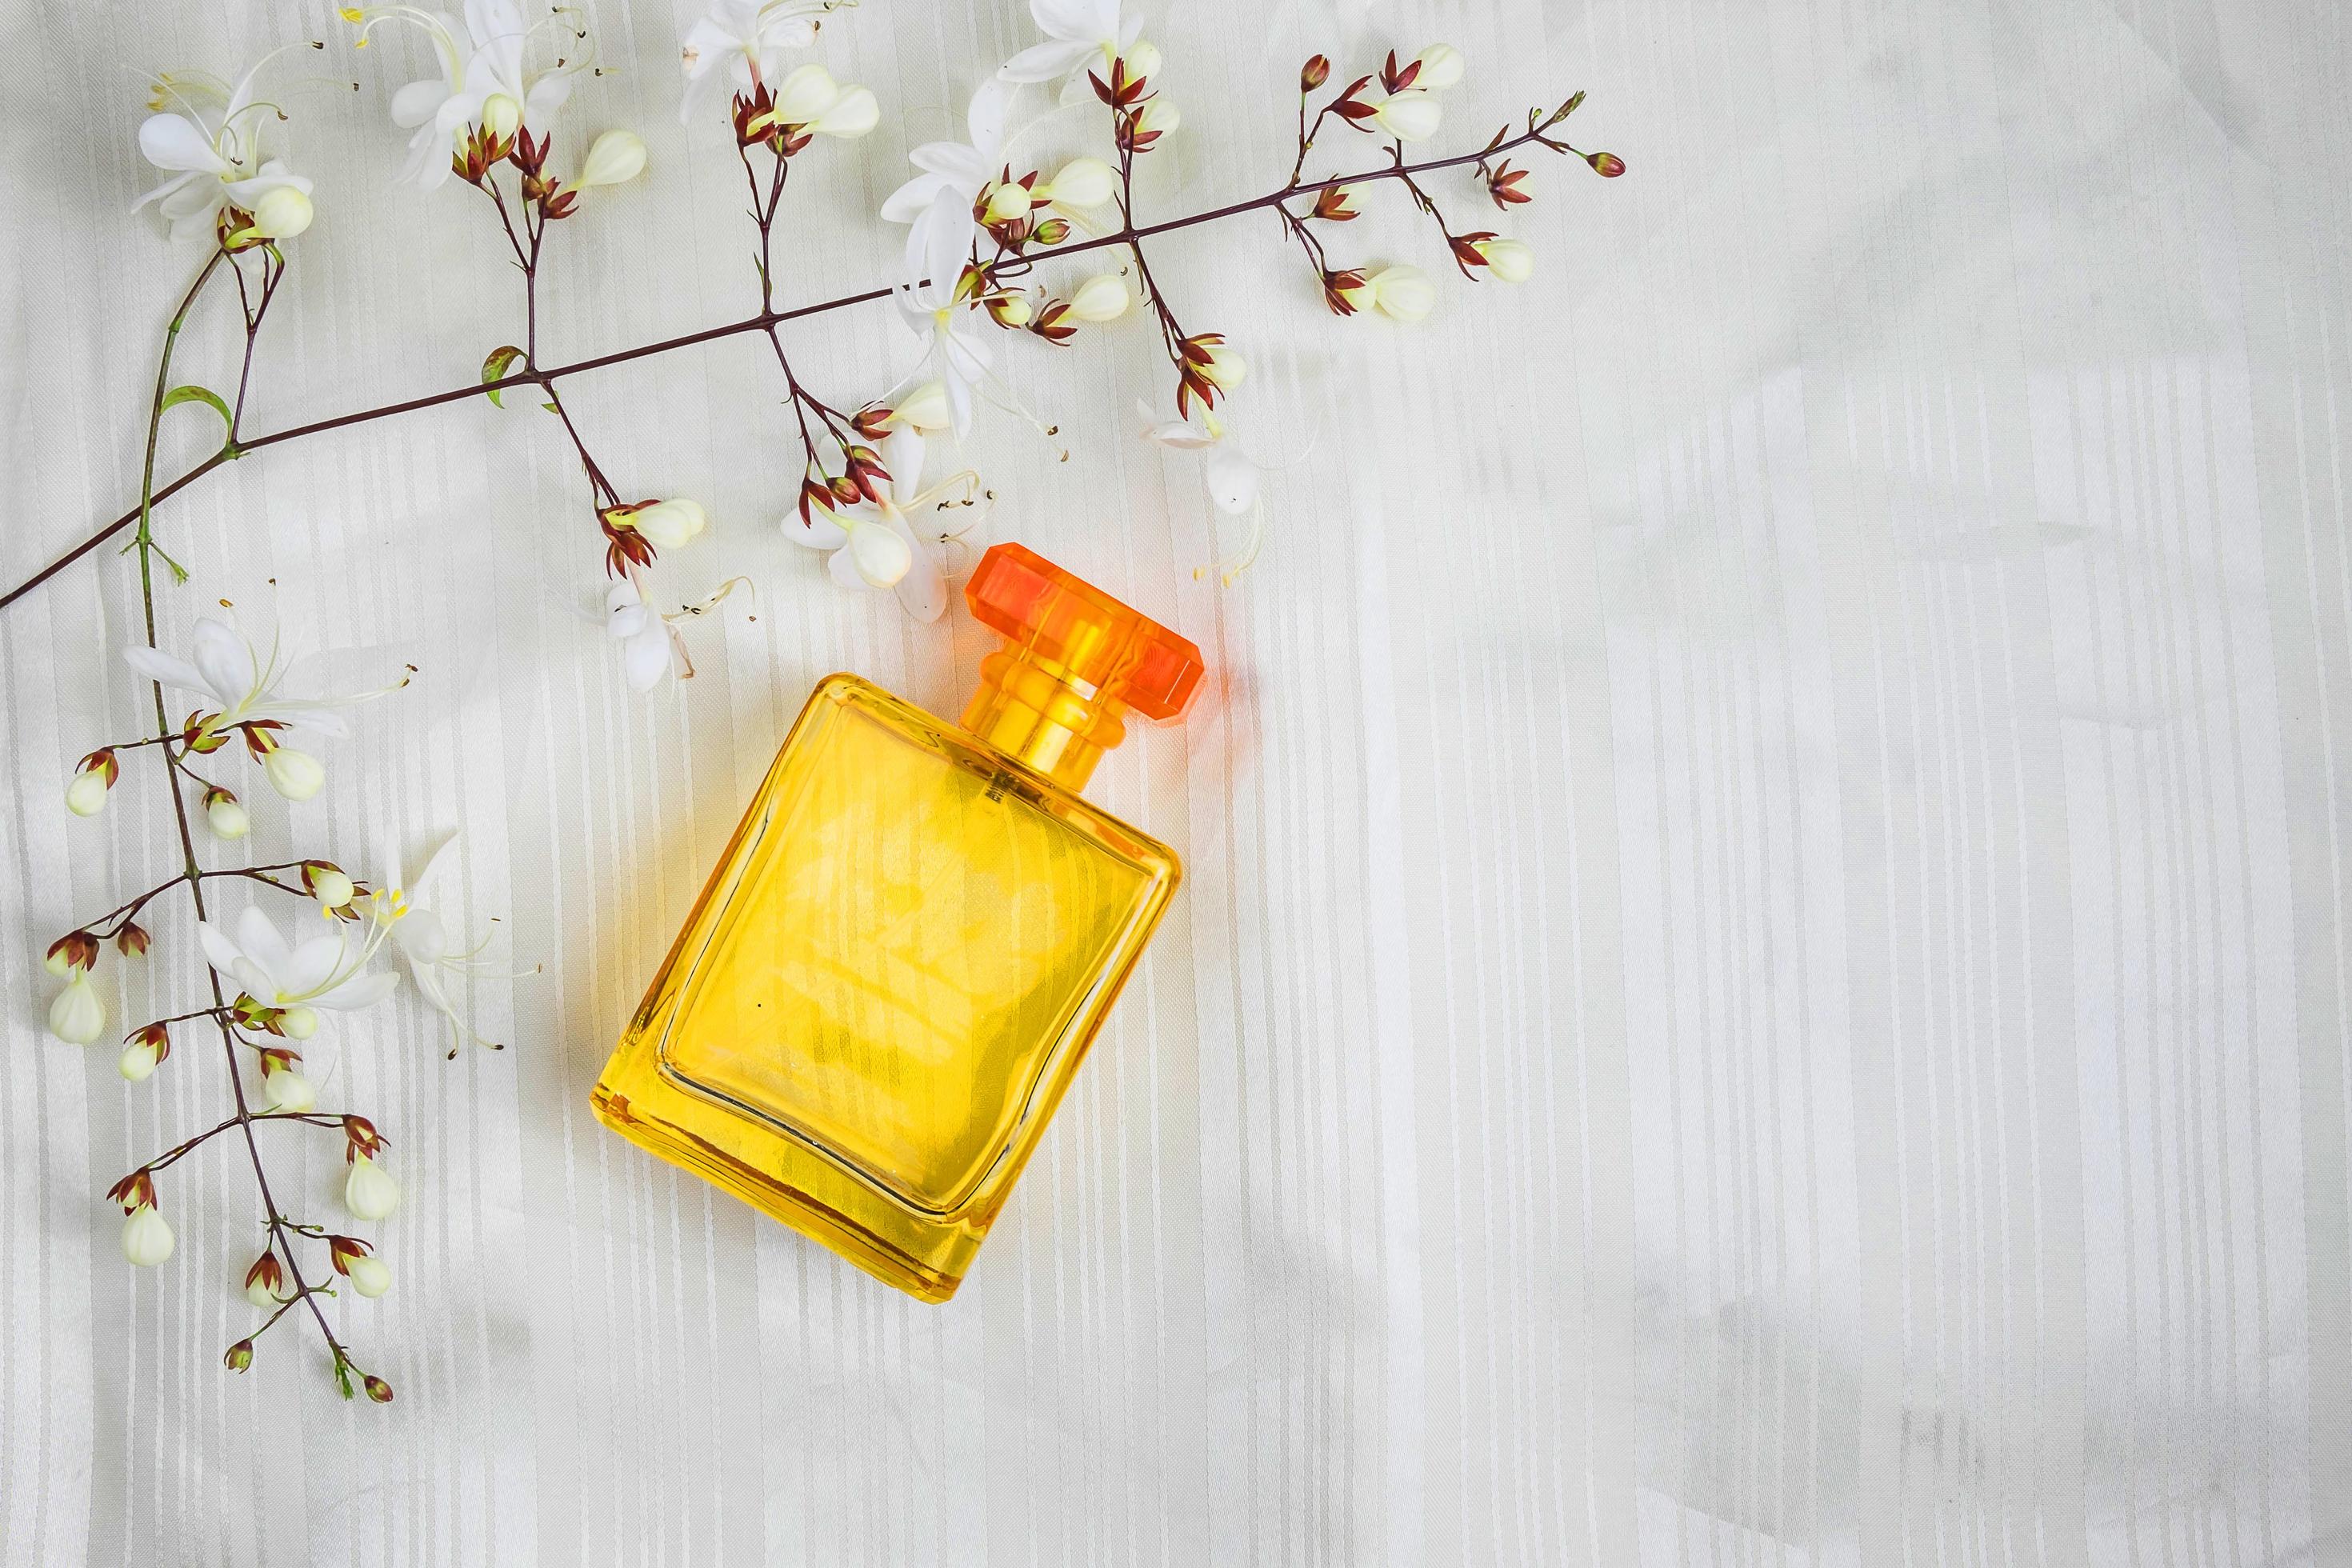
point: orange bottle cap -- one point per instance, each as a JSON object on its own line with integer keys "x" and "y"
{"x": 1075, "y": 660}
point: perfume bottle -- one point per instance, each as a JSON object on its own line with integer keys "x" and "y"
{"x": 890, "y": 980}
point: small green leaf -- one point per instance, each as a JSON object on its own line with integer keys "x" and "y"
{"x": 551, "y": 407}
{"x": 494, "y": 368}
{"x": 204, "y": 396}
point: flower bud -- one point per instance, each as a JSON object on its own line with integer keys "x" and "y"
{"x": 75, "y": 950}
{"x": 1403, "y": 293}
{"x": 1010, "y": 309}
{"x": 851, "y": 115}
{"x": 282, "y": 213}
{"x": 287, "y": 1089}
{"x": 1608, "y": 165}
{"x": 1141, "y": 59}
{"x": 501, "y": 116}
{"x": 1007, "y": 200}
{"x": 86, "y": 797}
{"x": 137, "y": 1063}
{"x": 262, "y": 1282}
{"x": 925, "y": 408}
{"x": 298, "y": 1022}
{"x": 1442, "y": 66}
{"x": 224, "y": 816}
{"x": 239, "y": 1356}
{"x": 880, "y": 555}
{"x": 133, "y": 940}
{"x": 804, "y": 94}
{"x": 377, "y": 1389}
{"x": 1102, "y": 298}
{"x": 147, "y": 1238}
{"x": 1314, "y": 73}
{"x": 671, "y": 523}
{"x": 1223, "y": 368}
{"x": 1349, "y": 293}
{"x": 1158, "y": 116}
{"x": 295, "y": 774}
{"x": 370, "y": 1275}
{"x": 1083, "y": 182}
{"x": 1512, "y": 260}
{"x": 327, "y": 884}
{"x": 369, "y": 1192}
{"x": 78, "y": 1017}
{"x": 615, "y": 158}
{"x": 1409, "y": 116}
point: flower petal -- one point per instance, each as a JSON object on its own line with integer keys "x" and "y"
{"x": 167, "y": 188}
{"x": 842, "y": 566}
{"x": 260, "y": 939}
{"x": 820, "y": 532}
{"x": 984, "y": 119}
{"x": 1044, "y": 62}
{"x": 365, "y": 991}
{"x": 220, "y": 949}
{"x": 175, "y": 141}
{"x": 418, "y": 102}
{"x": 156, "y": 665}
{"x": 906, "y": 203}
{"x": 312, "y": 964}
{"x": 225, "y": 660}
{"x": 645, "y": 658}
{"x": 902, "y": 454}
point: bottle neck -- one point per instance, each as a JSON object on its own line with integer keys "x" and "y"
{"x": 1039, "y": 715}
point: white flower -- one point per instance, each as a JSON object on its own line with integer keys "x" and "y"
{"x": 137, "y": 1063}
{"x": 1158, "y": 116}
{"x": 400, "y": 905}
{"x": 938, "y": 202}
{"x": 1442, "y": 66}
{"x": 647, "y": 654}
{"x": 738, "y": 42}
{"x": 147, "y": 1239}
{"x": 955, "y": 356}
{"x": 77, "y": 1015}
{"x": 485, "y": 78}
{"x": 669, "y": 524}
{"x": 1102, "y": 298}
{"x": 262, "y": 1280}
{"x": 330, "y": 884}
{"x": 226, "y": 669}
{"x": 86, "y": 797}
{"x": 369, "y": 1275}
{"x": 926, "y": 408}
{"x": 288, "y": 1090}
{"x": 295, "y": 774}
{"x": 324, "y": 972}
{"x": 615, "y": 158}
{"x": 1079, "y": 33}
{"x": 810, "y": 98}
{"x": 1403, "y": 293}
{"x": 1512, "y": 260}
{"x": 224, "y": 816}
{"x": 1082, "y": 182}
{"x": 874, "y": 545}
{"x": 1233, "y": 475}
{"x": 369, "y": 1192}
{"x": 209, "y": 138}
{"x": 1412, "y": 115}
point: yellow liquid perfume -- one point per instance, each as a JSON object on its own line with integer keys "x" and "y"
{"x": 890, "y": 980}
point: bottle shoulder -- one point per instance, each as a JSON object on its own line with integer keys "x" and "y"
{"x": 815, "y": 742}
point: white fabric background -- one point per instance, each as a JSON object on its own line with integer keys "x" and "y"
{"x": 1764, "y": 970}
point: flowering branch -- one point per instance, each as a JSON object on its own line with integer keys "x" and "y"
{"x": 768, "y": 318}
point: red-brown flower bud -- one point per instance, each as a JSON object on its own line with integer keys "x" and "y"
{"x": 131, "y": 940}
{"x": 377, "y": 1389}
{"x": 75, "y": 950}
{"x": 239, "y": 1356}
{"x": 1608, "y": 165}
{"x": 1314, "y": 73}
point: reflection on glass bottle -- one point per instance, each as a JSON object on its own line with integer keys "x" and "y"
{"x": 902, "y": 957}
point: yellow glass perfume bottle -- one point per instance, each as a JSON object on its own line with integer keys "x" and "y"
{"x": 888, "y": 982}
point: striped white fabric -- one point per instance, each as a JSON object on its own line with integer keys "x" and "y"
{"x": 1763, "y": 978}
